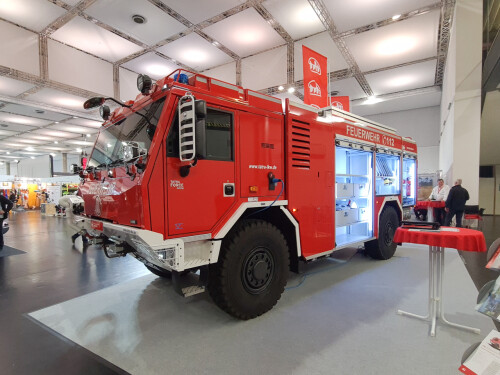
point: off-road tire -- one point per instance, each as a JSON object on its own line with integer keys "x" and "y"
{"x": 383, "y": 248}
{"x": 161, "y": 273}
{"x": 252, "y": 270}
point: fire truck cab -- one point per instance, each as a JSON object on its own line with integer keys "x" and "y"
{"x": 197, "y": 174}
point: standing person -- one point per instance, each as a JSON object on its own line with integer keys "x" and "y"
{"x": 455, "y": 204}
{"x": 440, "y": 193}
{"x": 4, "y": 213}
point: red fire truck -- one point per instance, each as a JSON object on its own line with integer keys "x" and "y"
{"x": 197, "y": 174}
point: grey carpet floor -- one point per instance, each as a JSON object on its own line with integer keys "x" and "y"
{"x": 340, "y": 319}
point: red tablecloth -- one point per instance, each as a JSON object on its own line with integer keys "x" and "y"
{"x": 426, "y": 204}
{"x": 465, "y": 239}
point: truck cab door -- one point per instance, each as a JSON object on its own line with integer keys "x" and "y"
{"x": 196, "y": 202}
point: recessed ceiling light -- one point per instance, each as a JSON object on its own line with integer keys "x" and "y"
{"x": 8, "y": 153}
{"x": 32, "y": 157}
{"x": 88, "y": 135}
{"x": 281, "y": 88}
{"x": 215, "y": 43}
{"x": 291, "y": 90}
{"x": 56, "y": 142}
{"x": 396, "y": 16}
{"x": 137, "y": 18}
{"x": 56, "y": 122}
{"x": 17, "y": 161}
{"x": 30, "y": 149}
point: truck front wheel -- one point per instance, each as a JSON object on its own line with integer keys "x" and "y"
{"x": 383, "y": 248}
{"x": 252, "y": 270}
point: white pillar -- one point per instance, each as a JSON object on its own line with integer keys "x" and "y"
{"x": 64, "y": 162}
{"x": 461, "y": 101}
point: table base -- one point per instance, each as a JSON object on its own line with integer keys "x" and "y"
{"x": 435, "y": 311}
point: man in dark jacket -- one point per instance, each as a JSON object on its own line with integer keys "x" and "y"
{"x": 455, "y": 203}
{"x": 6, "y": 206}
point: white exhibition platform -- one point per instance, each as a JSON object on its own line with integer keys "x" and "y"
{"x": 340, "y": 319}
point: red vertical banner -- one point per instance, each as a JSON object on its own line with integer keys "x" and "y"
{"x": 315, "y": 78}
{"x": 340, "y": 102}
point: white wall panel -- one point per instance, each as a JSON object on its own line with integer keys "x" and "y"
{"x": 428, "y": 159}
{"x": 89, "y": 73}
{"x": 226, "y": 73}
{"x": 19, "y": 48}
{"x": 422, "y": 124}
{"x": 128, "y": 85}
{"x": 36, "y": 168}
{"x": 264, "y": 69}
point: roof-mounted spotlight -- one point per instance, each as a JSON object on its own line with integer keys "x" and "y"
{"x": 144, "y": 83}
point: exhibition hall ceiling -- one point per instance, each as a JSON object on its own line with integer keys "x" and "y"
{"x": 58, "y": 53}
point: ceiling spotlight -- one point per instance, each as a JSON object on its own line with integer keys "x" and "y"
{"x": 30, "y": 149}
{"x": 8, "y": 153}
{"x": 372, "y": 100}
{"x": 32, "y": 157}
{"x": 16, "y": 161}
{"x": 56, "y": 122}
{"x": 137, "y": 18}
{"x": 291, "y": 90}
{"x": 215, "y": 43}
{"x": 88, "y": 135}
{"x": 280, "y": 88}
{"x": 395, "y": 17}
{"x": 75, "y": 116}
{"x": 56, "y": 142}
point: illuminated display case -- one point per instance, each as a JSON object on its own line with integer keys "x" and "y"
{"x": 409, "y": 182}
{"x": 387, "y": 179}
{"x": 353, "y": 195}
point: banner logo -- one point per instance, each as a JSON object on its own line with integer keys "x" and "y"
{"x": 314, "y": 65}
{"x": 314, "y": 88}
{"x": 337, "y": 105}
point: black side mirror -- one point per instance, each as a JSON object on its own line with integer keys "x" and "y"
{"x": 75, "y": 168}
{"x": 105, "y": 112}
{"x": 94, "y": 102}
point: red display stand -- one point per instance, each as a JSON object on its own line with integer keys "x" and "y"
{"x": 429, "y": 205}
{"x": 438, "y": 240}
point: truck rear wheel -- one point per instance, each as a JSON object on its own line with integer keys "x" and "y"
{"x": 383, "y": 248}
{"x": 252, "y": 270}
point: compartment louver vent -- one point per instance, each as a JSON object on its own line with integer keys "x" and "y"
{"x": 301, "y": 145}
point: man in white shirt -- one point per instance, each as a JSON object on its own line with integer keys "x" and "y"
{"x": 439, "y": 193}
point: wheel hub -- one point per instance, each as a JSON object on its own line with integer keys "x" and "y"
{"x": 258, "y": 270}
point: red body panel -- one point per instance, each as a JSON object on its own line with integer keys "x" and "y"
{"x": 310, "y": 182}
{"x": 261, "y": 151}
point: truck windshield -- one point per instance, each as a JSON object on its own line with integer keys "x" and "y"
{"x": 109, "y": 144}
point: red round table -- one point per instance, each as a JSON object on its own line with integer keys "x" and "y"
{"x": 456, "y": 238}
{"x": 430, "y": 204}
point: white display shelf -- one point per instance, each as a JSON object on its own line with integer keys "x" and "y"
{"x": 353, "y": 223}
{"x": 352, "y": 175}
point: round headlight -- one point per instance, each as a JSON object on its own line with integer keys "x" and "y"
{"x": 144, "y": 83}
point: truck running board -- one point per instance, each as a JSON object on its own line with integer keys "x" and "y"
{"x": 190, "y": 284}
